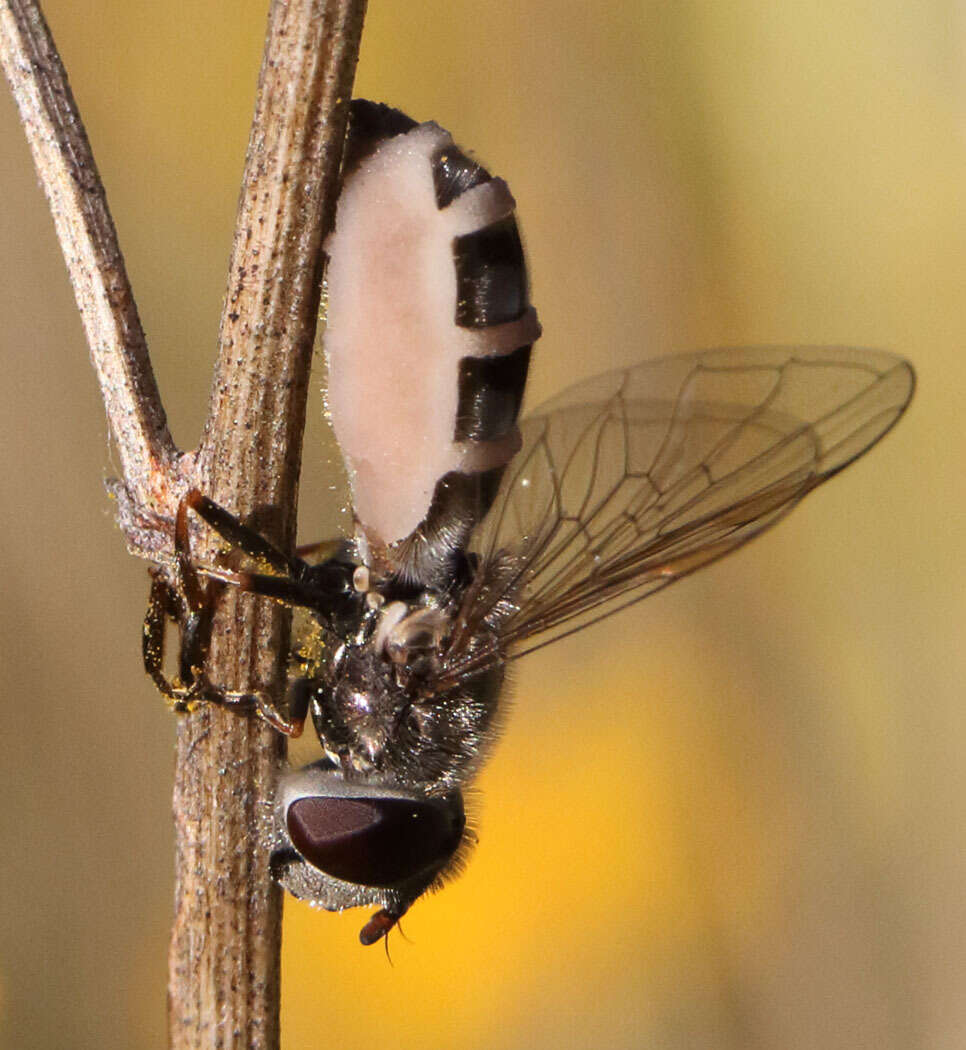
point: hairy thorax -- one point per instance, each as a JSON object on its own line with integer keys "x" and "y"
{"x": 379, "y": 713}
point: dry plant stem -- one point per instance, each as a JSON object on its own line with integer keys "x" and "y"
{"x": 87, "y": 236}
{"x": 224, "y": 956}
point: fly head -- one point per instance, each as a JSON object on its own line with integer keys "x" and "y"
{"x": 340, "y": 842}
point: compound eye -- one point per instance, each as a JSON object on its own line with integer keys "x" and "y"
{"x": 374, "y": 841}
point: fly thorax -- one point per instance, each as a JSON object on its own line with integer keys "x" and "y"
{"x": 382, "y": 712}
{"x": 442, "y": 733}
{"x": 355, "y": 715}
{"x": 410, "y": 639}
{"x": 372, "y": 706}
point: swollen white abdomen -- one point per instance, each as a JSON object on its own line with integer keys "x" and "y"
{"x": 428, "y": 334}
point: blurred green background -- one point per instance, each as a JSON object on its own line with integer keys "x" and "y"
{"x": 732, "y": 818}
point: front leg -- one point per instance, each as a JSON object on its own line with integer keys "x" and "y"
{"x": 299, "y": 693}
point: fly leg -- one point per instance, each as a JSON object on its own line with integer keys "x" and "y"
{"x": 163, "y": 605}
{"x": 184, "y": 694}
{"x": 239, "y": 534}
{"x": 298, "y": 707}
{"x": 324, "y": 583}
{"x": 193, "y": 610}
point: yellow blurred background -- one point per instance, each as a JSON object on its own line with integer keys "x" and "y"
{"x": 733, "y": 818}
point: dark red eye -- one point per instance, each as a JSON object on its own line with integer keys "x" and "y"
{"x": 374, "y": 841}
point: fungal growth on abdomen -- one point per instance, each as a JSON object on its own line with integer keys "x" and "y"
{"x": 428, "y": 337}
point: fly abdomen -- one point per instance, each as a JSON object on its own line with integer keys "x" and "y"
{"x": 428, "y": 335}
{"x": 490, "y": 393}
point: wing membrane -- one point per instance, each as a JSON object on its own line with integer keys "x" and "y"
{"x": 636, "y": 478}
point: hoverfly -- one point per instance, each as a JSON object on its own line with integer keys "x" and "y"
{"x": 477, "y": 538}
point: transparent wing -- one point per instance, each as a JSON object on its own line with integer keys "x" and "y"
{"x": 636, "y": 478}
